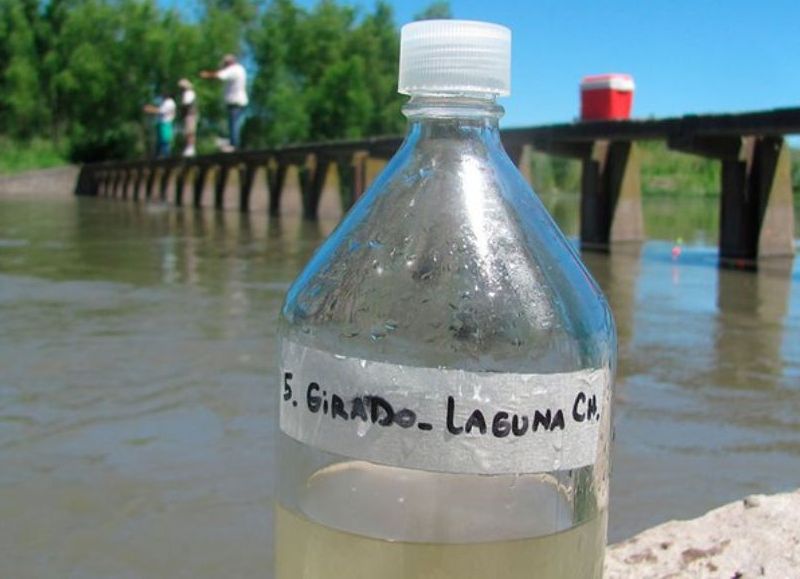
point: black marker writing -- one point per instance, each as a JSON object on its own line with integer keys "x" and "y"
{"x": 469, "y": 421}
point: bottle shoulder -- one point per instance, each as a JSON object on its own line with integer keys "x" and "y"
{"x": 452, "y": 261}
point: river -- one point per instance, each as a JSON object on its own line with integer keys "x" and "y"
{"x": 138, "y": 381}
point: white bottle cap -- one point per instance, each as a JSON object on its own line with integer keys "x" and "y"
{"x": 455, "y": 56}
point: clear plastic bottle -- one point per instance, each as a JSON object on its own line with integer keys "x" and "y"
{"x": 446, "y": 360}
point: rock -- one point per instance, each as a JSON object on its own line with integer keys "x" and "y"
{"x": 752, "y": 501}
{"x": 755, "y": 537}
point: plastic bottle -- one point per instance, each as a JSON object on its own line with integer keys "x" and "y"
{"x": 446, "y": 360}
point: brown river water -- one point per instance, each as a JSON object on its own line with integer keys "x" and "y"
{"x": 138, "y": 381}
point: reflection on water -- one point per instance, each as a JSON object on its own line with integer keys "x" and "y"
{"x": 693, "y": 220}
{"x": 708, "y": 395}
{"x": 138, "y": 383}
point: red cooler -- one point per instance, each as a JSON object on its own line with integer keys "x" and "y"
{"x": 606, "y": 97}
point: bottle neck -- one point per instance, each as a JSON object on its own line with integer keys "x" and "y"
{"x": 446, "y": 115}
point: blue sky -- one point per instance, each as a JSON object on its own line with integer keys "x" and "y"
{"x": 687, "y": 56}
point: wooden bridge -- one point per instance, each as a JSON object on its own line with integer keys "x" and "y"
{"x": 756, "y": 205}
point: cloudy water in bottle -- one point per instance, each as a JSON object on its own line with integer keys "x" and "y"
{"x": 446, "y": 359}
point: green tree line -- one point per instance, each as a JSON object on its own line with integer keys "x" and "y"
{"x": 77, "y": 72}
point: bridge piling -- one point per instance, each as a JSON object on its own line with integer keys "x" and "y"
{"x": 611, "y": 193}
{"x": 126, "y": 182}
{"x": 150, "y": 183}
{"x": 756, "y": 204}
{"x": 87, "y": 184}
{"x": 312, "y": 179}
{"x": 627, "y": 222}
{"x": 276, "y": 179}
{"x": 220, "y": 180}
{"x": 776, "y": 203}
{"x": 93, "y": 183}
{"x": 757, "y": 214}
{"x": 117, "y": 183}
{"x": 352, "y": 171}
{"x": 247, "y": 173}
{"x": 101, "y": 182}
{"x": 199, "y": 184}
{"x": 520, "y": 154}
{"x": 360, "y": 175}
{"x": 137, "y": 182}
{"x": 180, "y": 183}
{"x": 166, "y": 172}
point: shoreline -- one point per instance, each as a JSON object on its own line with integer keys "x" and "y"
{"x": 56, "y": 181}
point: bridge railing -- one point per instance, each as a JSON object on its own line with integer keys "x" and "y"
{"x": 757, "y": 212}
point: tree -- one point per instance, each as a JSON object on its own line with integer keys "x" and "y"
{"x": 21, "y": 101}
{"x": 52, "y": 21}
{"x": 437, "y": 10}
{"x": 340, "y": 103}
{"x": 79, "y": 71}
{"x": 377, "y": 40}
{"x": 324, "y": 73}
{"x": 279, "y": 113}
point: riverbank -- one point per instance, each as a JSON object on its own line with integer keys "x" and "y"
{"x": 56, "y": 181}
{"x": 758, "y": 536}
{"x": 20, "y": 155}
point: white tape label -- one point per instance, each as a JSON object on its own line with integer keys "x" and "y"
{"x": 442, "y": 420}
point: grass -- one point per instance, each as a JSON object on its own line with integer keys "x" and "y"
{"x": 18, "y": 156}
{"x": 667, "y": 172}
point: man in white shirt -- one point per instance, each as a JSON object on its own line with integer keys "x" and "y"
{"x": 165, "y": 116}
{"x": 234, "y": 76}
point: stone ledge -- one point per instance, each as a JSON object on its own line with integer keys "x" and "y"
{"x": 755, "y": 537}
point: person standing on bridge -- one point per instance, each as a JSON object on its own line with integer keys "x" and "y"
{"x": 189, "y": 114}
{"x": 165, "y": 116}
{"x": 234, "y": 76}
